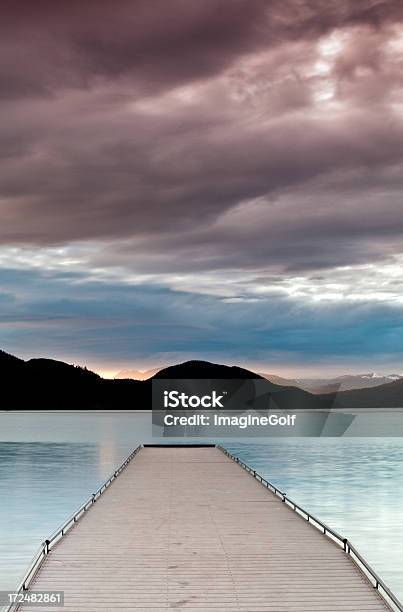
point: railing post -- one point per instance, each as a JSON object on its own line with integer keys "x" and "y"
{"x": 45, "y": 548}
{"x": 381, "y": 588}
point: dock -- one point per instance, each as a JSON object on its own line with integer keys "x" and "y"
{"x": 189, "y": 528}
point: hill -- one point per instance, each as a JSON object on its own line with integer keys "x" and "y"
{"x": 204, "y": 369}
{"x": 346, "y": 382}
{"x": 10, "y": 365}
{"x": 189, "y": 369}
{"x": 383, "y": 396}
{"x": 48, "y": 384}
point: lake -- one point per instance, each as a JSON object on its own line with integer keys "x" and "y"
{"x": 51, "y": 462}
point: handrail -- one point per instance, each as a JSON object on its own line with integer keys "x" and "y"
{"x": 347, "y": 546}
{"x": 374, "y": 579}
{"x": 61, "y": 531}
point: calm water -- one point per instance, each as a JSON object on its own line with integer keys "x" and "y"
{"x": 51, "y": 462}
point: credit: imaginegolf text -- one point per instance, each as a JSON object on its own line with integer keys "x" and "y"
{"x": 220, "y": 420}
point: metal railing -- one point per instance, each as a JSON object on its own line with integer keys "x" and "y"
{"x": 59, "y": 533}
{"x": 344, "y": 543}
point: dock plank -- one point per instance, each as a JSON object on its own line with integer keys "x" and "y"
{"x": 188, "y": 529}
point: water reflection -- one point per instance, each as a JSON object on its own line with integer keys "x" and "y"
{"x": 51, "y": 462}
{"x": 355, "y": 485}
{"x": 39, "y": 484}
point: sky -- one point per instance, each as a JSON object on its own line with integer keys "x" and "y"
{"x": 213, "y": 180}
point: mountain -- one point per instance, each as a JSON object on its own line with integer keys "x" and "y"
{"x": 205, "y": 369}
{"x": 361, "y": 381}
{"x": 334, "y": 385}
{"x": 278, "y": 380}
{"x": 10, "y": 365}
{"x": 389, "y": 395}
{"x": 136, "y": 374}
{"x": 59, "y": 371}
{"x": 190, "y": 369}
{"x": 48, "y": 384}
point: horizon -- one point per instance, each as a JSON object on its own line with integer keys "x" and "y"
{"x": 282, "y": 372}
{"x": 211, "y": 183}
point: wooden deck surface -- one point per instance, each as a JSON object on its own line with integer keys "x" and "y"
{"x": 188, "y": 529}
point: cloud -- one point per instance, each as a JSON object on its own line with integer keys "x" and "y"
{"x": 108, "y": 160}
{"x": 155, "y": 44}
{"x": 221, "y": 153}
{"x": 142, "y": 170}
{"x": 67, "y": 317}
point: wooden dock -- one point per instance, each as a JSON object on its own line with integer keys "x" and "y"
{"x": 188, "y": 529}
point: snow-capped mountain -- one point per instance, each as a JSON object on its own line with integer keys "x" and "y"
{"x": 137, "y": 374}
{"x": 345, "y": 382}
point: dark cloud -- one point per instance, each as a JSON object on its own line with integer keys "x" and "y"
{"x": 48, "y": 45}
{"x": 152, "y": 127}
{"x": 171, "y": 182}
{"x": 155, "y": 43}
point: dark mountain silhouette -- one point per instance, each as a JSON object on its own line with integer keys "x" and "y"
{"x": 280, "y": 396}
{"x": 347, "y": 382}
{"x": 60, "y": 371}
{"x": 204, "y": 369}
{"x": 10, "y": 365}
{"x": 384, "y": 396}
{"x": 48, "y": 384}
